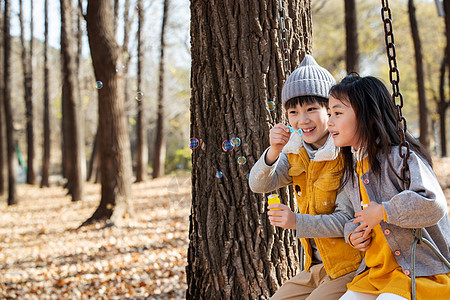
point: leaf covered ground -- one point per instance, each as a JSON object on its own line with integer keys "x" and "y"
{"x": 44, "y": 256}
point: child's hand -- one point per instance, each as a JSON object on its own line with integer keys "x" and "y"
{"x": 279, "y": 136}
{"x": 369, "y": 217}
{"x": 360, "y": 238}
{"x": 283, "y": 217}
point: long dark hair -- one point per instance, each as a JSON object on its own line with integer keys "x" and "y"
{"x": 376, "y": 121}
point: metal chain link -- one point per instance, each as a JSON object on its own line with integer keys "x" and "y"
{"x": 397, "y": 97}
{"x": 282, "y": 16}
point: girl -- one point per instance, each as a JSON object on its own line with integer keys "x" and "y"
{"x": 363, "y": 122}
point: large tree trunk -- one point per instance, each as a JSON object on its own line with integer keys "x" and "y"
{"x": 27, "y": 68}
{"x": 11, "y": 158}
{"x": 351, "y": 37}
{"x": 234, "y": 252}
{"x": 442, "y": 106}
{"x": 46, "y": 124}
{"x": 70, "y": 99}
{"x": 423, "y": 108}
{"x": 159, "y": 151}
{"x": 115, "y": 156}
{"x": 141, "y": 124}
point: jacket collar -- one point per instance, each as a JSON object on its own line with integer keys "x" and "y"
{"x": 327, "y": 152}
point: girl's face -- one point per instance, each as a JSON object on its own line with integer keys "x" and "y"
{"x": 343, "y": 124}
{"x": 312, "y": 119}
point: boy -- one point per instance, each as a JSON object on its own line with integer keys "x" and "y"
{"x": 313, "y": 164}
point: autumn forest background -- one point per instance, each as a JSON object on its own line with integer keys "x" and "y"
{"x": 128, "y": 128}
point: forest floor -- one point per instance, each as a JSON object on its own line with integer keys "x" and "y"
{"x": 44, "y": 256}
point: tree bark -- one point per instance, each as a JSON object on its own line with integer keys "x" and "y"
{"x": 159, "y": 151}
{"x": 46, "y": 124}
{"x": 115, "y": 203}
{"x": 351, "y": 37}
{"x": 423, "y": 108}
{"x": 11, "y": 158}
{"x": 237, "y": 67}
{"x": 141, "y": 124}
{"x": 71, "y": 106}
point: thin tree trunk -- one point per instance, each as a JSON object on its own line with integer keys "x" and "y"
{"x": 116, "y": 16}
{"x": 79, "y": 67}
{"x": 423, "y": 108}
{"x": 27, "y": 68}
{"x": 141, "y": 124}
{"x": 442, "y": 106}
{"x": 115, "y": 203}
{"x": 46, "y": 124}
{"x": 2, "y": 100}
{"x": 234, "y": 252}
{"x": 11, "y": 158}
{"x": 159, "y": 151}
{"x": 351, "y": 37}
{"x": 70, "y": 97}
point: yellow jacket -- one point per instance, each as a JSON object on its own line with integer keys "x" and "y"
{"x": 316, "y": 184}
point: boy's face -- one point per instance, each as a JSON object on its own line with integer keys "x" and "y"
{"x": 312, "y": 119}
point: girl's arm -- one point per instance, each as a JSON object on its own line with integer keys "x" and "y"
{"x": 265, "y": 178}
{"x": 423, "y": 204}
{"x": 318, "y": 226}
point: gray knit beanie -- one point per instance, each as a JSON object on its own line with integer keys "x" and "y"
{"x": 309, "y": 79}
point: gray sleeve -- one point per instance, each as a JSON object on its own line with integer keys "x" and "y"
{"x": 264, "y": 178}
{"x": 326, "y": 226}
{"x": 423, "y": 204}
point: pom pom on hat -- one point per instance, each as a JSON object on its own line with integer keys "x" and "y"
{"x": 309, "y": 79}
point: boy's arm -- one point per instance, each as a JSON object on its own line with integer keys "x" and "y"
{"x": 265, "y": 178}
{"x": 326, "y": 226}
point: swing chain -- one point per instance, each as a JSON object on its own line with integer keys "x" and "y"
{"x": 397, "y": 97}
{"x": 282, "y": 16}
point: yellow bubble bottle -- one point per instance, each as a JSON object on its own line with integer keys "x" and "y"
{"x": 273, "y": 198}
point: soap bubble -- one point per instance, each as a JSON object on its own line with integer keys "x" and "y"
{"x": 270, "y": 106}
{"x": 219, "y": 174}
{"x": 227, "y": 145}
{"x": 241, "y": 160}
{"x": 139, "y": 96}
{"x": 236, "y": 141}
{"x": 193, "y": 143}
{"x": 98, "y": 85}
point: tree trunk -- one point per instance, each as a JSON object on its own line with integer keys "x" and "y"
{"x": 27, "y": 68}
{"x": 159, "y": 151}
{"x": 115, "y": 16}
{"x": 115, "y": 203}
{"x": 423, "y": 109}
{"x": 11, "y": 158}
{"x": 442, "y": 106}
{"x": 70, "y": 98}
{"x": 46, "y": 124}
{"x": 141, "y": 124}
{"x": 351, "y": 37}
{"x": 237, "y": 67}
{"x": 79, "y": 66}
{"x": 2, "y": 114}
